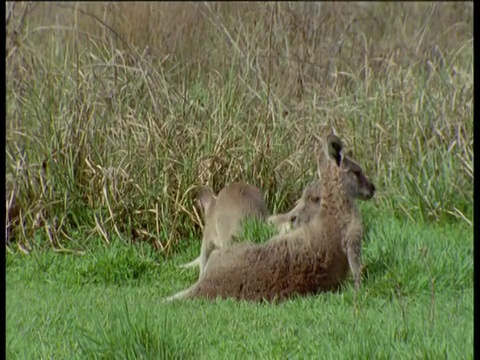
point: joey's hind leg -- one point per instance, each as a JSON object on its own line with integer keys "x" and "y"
{"x": 180, "y": 295}
{"x": 207, "y": 248}
{"x": 191, "y": 263}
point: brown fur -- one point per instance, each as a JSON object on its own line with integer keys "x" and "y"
{"x": 224, "y": 215}
{"x": 305, "y": 208}
{"x": 313, "y": 258}
{"x": 309, "y": 203}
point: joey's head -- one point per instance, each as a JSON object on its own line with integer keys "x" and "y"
{"x": 206, "y": 199}
{"x": 308, "y": 205}
{"x": 355, "y": 183}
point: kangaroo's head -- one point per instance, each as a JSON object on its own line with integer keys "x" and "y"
{"x": 355, "y": 183}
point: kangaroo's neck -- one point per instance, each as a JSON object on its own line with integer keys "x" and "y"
{"x": 335, "y": 199}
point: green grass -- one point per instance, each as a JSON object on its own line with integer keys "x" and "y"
{"x": 416, "y": 302}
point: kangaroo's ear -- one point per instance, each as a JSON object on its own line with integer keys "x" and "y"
{"x": 206, "y": 197}
{"x": 335, "y": 148}
{"x": 323, "y": 158}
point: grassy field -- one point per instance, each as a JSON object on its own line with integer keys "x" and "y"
{"x": 116, "y": 111}
{"x": 417, "y": 302}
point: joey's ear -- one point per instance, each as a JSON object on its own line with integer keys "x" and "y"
{"x": 206, "y": 197}
{"x": 335, "y": 148}
{"x": 349, "y": 153}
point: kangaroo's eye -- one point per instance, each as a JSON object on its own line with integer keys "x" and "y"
{"x": 314, "y": 199}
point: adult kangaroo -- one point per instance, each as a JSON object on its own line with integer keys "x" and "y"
{"x": 313, "y": 258}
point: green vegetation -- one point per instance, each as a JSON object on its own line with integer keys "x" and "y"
{"x": 116, "y": 111}
{"x": 416, "y": 302}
